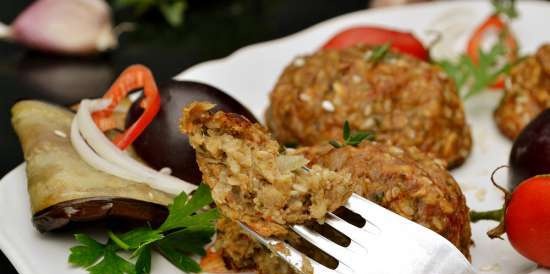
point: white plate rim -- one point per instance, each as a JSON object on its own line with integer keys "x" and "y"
{"x": 6, "y": 244}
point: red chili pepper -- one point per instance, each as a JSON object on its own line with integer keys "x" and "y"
{"x": 132, "y": 78}
{"x": 493, "y": 23}
{"x": 403, "y": 42}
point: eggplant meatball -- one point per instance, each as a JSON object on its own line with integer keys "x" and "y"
{"x": 252, "y": 181}
{"x": 405, "y": 181}
{"x": 527, "y": 93}
{"x": 405, "y": 101}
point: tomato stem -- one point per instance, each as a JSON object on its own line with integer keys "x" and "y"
{"x": 493, "y": 215}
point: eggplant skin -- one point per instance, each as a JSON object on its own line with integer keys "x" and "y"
{"x": 74, "y": 213}
{"x": 57, "y": 176}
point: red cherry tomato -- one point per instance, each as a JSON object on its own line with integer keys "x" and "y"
{"x": 403, "y": 42}
{"x": 527, "y": 219}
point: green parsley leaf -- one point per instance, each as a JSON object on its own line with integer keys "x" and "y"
{"x": 359, "y": 137}
{"x": 335, "y": 144}
{"x": 112, "y": 263}
{"x": 352, "y": 139}
{"x": 99, "y": 258}
{"x": 178, "y": 259}
{"x": 143, "y": 263}
{"x": 182, "y": 208}
{"x": 506, "y": 7}
{"x": 189, "y": 240}
{"x": 471, "y": 79}
{"x": 379, "y": 52}
{"x": 187, "y": 229}
{"x": 86, "y": 254}
{"x": 139, "y": 237}
{"x": 346, "y": 131}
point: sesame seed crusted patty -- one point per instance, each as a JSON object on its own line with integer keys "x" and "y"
{"x": 405, "y": 181}
{"x": 526, "y": 94}
{"x": 405, "y": 101}
{"x": 252, "y": 181}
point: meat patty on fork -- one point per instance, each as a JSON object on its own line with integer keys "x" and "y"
{"x": 252, "y": 181}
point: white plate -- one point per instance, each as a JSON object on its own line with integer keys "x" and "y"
{"x": 250, "y": 73}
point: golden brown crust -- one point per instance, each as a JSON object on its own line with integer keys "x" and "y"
{"x": 527, "y": 93}
{"x": 237, "y": 248}
{"x": 405, "y": 101}
{"x": 241, "y": 253}
{"x": 252, "y": 181}
{"x": 407, "y": 182}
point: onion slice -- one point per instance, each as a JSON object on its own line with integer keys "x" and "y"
{"x": 105, "y": 156}
{"x": 89, "y": 156}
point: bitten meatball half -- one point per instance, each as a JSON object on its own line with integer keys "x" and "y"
{"x": 252, "y": 181}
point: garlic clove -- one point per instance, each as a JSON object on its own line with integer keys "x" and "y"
{"x": 5, "y": 31}
{"x": 66, "y": 26}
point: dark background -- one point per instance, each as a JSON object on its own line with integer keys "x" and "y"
{"x": 212, "y": 29}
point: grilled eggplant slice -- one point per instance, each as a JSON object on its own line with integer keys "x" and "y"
{"x": 63, "y": 189}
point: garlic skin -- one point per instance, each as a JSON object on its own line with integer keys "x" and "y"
{"x": 72, "y": 27}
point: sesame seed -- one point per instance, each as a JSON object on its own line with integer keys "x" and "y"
{"x": 298, "y": 62}
{"x": 369, "y": 122}
{"x": 166, "y": 170}
{"x": 367, "y": 55}
{"x": 491, "y": 268}
{"x": 304, "y": 97}
{"x": 368, "y": 109}
{"x": 480, "y": 194}
{"x": 387, "y": 105}
{"x": 395, "y": 151}
{"x": 328, "y": 106}
{"x": 508, "y": 83}
{"x": 522, "y": 99}
{"x": 356, "y": 79}
{"x": 60, "y": 133}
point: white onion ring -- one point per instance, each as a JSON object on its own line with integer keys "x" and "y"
{"x": 89, "y": 156}
{"x": 103, "y": 155}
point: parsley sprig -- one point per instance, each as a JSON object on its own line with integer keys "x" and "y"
{"x": 379, "y": 52}
{"x": 352, "y": 139}
{"x": 505, "y": 7}
{"x": 185, "y": 231}
{"x": 471, "y": 78}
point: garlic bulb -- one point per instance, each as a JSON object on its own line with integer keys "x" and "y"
{"x": 73, "y": 27}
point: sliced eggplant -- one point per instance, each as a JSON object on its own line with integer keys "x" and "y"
{"x": 63, "y": 189}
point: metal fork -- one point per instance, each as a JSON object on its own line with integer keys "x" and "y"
{"x": 387, "y": 244}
